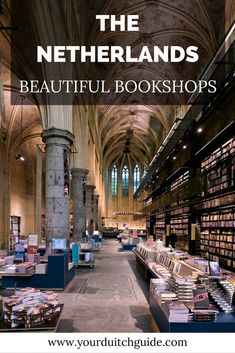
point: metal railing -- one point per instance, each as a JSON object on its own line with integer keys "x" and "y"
{"x": 192, "y": 189}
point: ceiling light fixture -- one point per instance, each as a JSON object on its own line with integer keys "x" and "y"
{"x": 184, "y": 147}
{"x": 20, "y": 156}
{"x": 199, "y": 130}
{"x": 174, "y": 158}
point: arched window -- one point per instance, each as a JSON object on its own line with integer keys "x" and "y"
{"x": 114, "y": 181}
{"x": 125, "y": 181}
{"x": 136, "y": 177}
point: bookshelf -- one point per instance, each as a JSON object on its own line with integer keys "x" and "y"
{"x": 148, "y": 227}
{"x": 217, "y": 239}
{"x": 218, "y": 178}
{"x": 180, "y": 181}
{"x": 223, "y": 152}
{"x": 14, "y": 232}
{"x": 148, "y": 202}
{"x": 160, "y": 226}
{"x": 180, "y": 224}
{"x": 218, "y": 168}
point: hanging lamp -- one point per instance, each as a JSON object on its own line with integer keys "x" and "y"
{"x": 20, "y": 156}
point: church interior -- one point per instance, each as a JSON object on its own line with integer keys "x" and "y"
{"x": 133, "y": 177}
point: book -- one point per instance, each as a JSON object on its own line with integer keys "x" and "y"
{"x": 214, "y": 268}
{"x": 200, "y": 299}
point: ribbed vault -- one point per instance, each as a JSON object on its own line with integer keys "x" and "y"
{"x": 176, "y": 22}
{"x": 140, "y": 128}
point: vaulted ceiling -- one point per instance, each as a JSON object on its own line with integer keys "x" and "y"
{"x": 140, "y": 126}
{"x": 147, "y": 125}
{"x": 162, "y": 23}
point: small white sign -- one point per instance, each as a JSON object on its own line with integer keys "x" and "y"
{"x": 33, "y": 239}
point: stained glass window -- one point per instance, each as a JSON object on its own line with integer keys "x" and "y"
{"x": 125, "y": 181}
{"x": 136, "y": 177}
{"x": 114, "y": 181}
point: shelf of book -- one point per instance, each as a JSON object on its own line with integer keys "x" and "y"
{"x": 160, "y": 226}
{"x": 217, "y": 239}
{"x": 148, "y": 227}
{"x": 218, "y": 168}
{"x": 223, "y": 152}
{"x": 179, "y": 224}
{"x": 14, "y": 232}
{"x": 180, "y": 181}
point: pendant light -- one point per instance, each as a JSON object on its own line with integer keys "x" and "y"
{"x": 20, "y": 156}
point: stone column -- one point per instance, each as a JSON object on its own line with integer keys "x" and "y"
{"x": 130, "y": 205}
{"x": 96, "y": 211}
{"x": 38, "y": 195}
{"x": 119, "y": 198}
{"x": 90, "y": 208}
{"x": 58, "y": 144}
{"x": 78, "y": 199}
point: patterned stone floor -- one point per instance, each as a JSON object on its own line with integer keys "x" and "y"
{"x": 109, "y": 298}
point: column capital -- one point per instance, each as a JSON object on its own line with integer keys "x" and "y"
{"x": 58, "y": 133}
{"x": 79, "y": 172}
{"x": 96, "y": 196}
{"x": 90, "y": 186}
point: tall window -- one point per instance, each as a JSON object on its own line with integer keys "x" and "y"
{"x": 136, "y": 177}
{"x": 125, "y": 181}
{"x": 114, "y": 181}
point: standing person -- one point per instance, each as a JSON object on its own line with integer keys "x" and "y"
{"x": 173, "y": 238}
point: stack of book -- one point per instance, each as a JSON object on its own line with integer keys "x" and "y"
{"x": 13, "y": 312}
{"x": 229, "y": 289}
{"x": 33, "y": 258}
{"x": 219, "y": 299}
{"x": 180, "y": 255}
{"x": 161, "y": 271}
{"x": 10, "y": 269}
{"x": 204, "y": 315}
{"x": 51, "y": 297}
{"x": 167, "y": 296}
{"x": 9, "y": 260}
{"x": 176, "y": 312}
{"x": 30, "y": 307}
{"x": 183, "y": 287}
{"x": 27, "y": 291}
{"x": 161, "y": 290}
{"x": 26, "y": 268}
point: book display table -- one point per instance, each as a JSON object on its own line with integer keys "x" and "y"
{"x": 127, "y": 247}
{"x": 143, "y": 268}
{"x": 224, "y": 323}
{"x": 51, "y": 325}
{"x": 57, "y": 276}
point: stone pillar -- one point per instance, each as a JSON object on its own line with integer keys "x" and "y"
{"x": 96, "y": 211}
{"x": 38, "y": 195}
{"x": 58, "y": 144}
{"x": 119, "y": 198}
{"x": 90, "y": 208}
{"x": 78, "y": 199}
